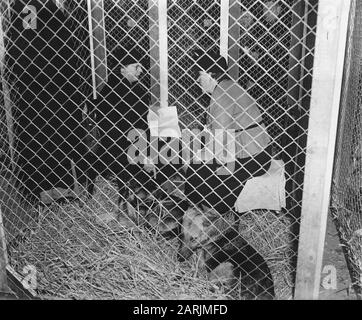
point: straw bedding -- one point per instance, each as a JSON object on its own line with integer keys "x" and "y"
{"x": 270, "y": 233}
{"x": 86, "y": 251}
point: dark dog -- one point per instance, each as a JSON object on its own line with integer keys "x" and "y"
{"x": 226, "y": 256}
{"x": 155, "y": 209}
{"x": 165, "y": 216}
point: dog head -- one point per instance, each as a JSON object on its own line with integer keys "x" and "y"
{"x": 201, "y": 226}
{"x": 165, "y": 217}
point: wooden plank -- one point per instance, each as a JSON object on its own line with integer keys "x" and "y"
{"x": 224, "y": 28}
{"x": 6, "y": 94}
{"x": 326, "y": 90}
{"x": 3, "y": 258}
{"x": 163, "y": 41}
{"x": 154, "y": 52}
{"x": 100, "y": 48}
{"x": 234, "y": 38}
{"x": 91, "y": 48}
{"x": 97, "y": 44}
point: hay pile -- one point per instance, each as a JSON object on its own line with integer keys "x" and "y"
{"x": 84, "y": 251}
{"x": 17, "y": 212}
{"x": 270, "y": 234}
{"x": 79, "y": 256}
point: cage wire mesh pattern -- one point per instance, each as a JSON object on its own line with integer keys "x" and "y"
{"x": 346, "y": 192}
{"x": 95, "y": 226}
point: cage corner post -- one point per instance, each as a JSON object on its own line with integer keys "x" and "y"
{"x": 154, "y": 35}
{"x": 163, "y": 52}
{"x": 97, "y": 44}
{"x": 157, "y": 10}
{"x": 330, "y": 46}
{"x": 3, "y": 258}
{"x": 224, "y": 28}
{"x": 6, "y": 91}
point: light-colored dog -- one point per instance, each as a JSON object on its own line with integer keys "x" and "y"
{"x": 226, "y": 256}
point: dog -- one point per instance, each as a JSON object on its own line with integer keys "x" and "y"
{"x": 226, "y": 255}
{"x": 164, "y": 216}
{"x": 155, "y": 209}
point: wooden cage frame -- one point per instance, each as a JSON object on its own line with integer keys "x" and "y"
{"x": 332, "y": 26}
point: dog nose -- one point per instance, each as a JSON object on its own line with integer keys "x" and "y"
{"x": 184, "y": 253}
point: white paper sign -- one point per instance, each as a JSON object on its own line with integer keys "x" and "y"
{"x": 163, "y": 122}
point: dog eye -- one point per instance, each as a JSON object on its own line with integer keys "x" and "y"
{"x": 193, "y": 239}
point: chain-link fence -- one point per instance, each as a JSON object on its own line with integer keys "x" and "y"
{"x": 346, "y": 192}
{"x": 83, "y": 220}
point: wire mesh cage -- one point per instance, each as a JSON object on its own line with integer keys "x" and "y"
{"x": 93, "y": 222}
{"x": 346, "y": 194}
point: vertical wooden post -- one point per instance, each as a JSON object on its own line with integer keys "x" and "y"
{"x": 154, "y": 52}
{"x": 234, "y": 38}
{"x": 3, "y": 257}
{"x": 97, "y": 44}
{"x": 158, "y": 52}
{"x": 326, "y": 91}
{"x": 6, "y": 93}
{"x": 163, "y": 41}
{"x": 224, "y": 28}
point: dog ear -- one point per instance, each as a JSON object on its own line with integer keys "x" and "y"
{"x": 212, "y": 214}
{"x": 168, "y": 224}
{"x": 223, "y": 222}
{"x": 230, "y": 217}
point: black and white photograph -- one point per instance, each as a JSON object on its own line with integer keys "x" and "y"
{"x": 181, "y": 154}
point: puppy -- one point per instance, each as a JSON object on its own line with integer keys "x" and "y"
{"x": 131, "y": 200}
{"x": 165, "y": 215}
{"x": 226, "y": 256}
{"x": 154, "y": 209}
